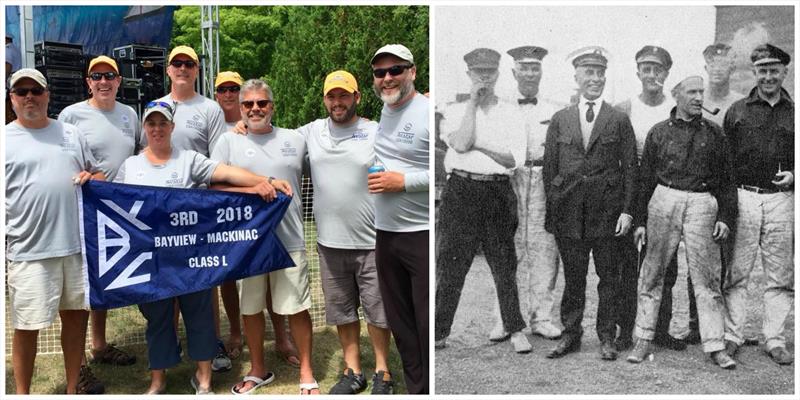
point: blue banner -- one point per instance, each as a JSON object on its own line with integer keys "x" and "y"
{"x": 144, "y": 243}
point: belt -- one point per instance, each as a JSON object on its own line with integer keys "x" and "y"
{"x": 759, "y": 190}
{"x": 703, "y": 189}
{"x": 534, "y": 163}
{"x": 480, "y": 177}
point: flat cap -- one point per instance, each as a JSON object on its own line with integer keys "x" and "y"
{"x": 482, "y": 58}
{"x": 654, "y": 54}
{"x": 592, "y": 55}
{"x": 528, "y": 54}
{"x": 768, "y": 54}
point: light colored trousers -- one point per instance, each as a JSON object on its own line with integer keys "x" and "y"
{"x": 670, "y": 214}
{"x": 765, "y": 221}
{"x": 537, "y": 253}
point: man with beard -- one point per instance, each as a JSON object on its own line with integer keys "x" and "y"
{"x": 589, "y": 174}
{"x": 340, "y": 150}
{"x": 401, "y": 209}
{"x": 686, "y": 191}
{"x": 269, "y": 150}
{"x": 486, "y": 142}
{"x": 537, "y": 254}
{"x": 761, "y": 131}
{"x": 718, "y": 95}
{"x": 44, "y": 159}
{"x": 113, "y": 133}
{"x": 199, "y": 121}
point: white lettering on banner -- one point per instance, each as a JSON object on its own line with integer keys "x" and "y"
{"x": 183, "y": 218}
{"x": 124, "y": 241}
{"x": 208, "y": 261}
{"x": 175, "y": 240}
{"x": 232, "y": 236}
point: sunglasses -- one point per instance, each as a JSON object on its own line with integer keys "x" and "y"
{"x": 110, "y": 76}
{"x": 232, "y": 89}
{"x": 180, "y": 63}
{"x": 22, "y": 92}
{"x": 248, "y": 104}
{"x": 159, "y": 104}
{"x": 393, "y": 70}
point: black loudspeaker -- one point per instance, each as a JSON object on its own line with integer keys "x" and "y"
{"x": 143, "y": 70}
{"x": 63, "y": 65}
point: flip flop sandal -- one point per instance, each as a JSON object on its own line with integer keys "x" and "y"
{"x": 235, "y": 350}
{"x": 290, "y": 357}
{"x": 308, "y": 387}
{"x": 197, "y": 388}
{"x": 259, "y": 382}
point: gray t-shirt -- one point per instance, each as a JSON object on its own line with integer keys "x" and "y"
{"x": 199, "y": 122}
{"x": 402, "y": 145}
{"x": 111, "y": 134}
{"x": 41, "y": 204}
{"x": 339, "y": 158}
{"x": 279, "y": 154}
{"x": 185, "y": 169}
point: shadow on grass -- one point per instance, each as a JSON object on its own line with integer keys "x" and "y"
{"x": 48, "y": 376}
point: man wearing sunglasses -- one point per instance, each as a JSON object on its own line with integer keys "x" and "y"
{"x": 113, "y": 133}
{"x": 279, "y": 152}
{"x": 340, "y": 150}
{"x": 226, "y": 88}
{"x": 401, "y": 209}
{"x": 45, "y": 158}
{"x": 198, "y": 121}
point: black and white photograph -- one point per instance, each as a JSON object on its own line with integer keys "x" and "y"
{"x": 614, "y": 199}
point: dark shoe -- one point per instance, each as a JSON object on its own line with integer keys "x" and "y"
{"x": 349, "y": 383}
{"x": 564, "y": 347}
{"x": 670, "y": 342}
{"x": 111, "y": 355}
{"x": 623, "y": 343}
{"x": 607, "y": 351}
{"x": 640, "y": 351}
{"x": 731, "y": 348}
{"x": 382, "y": 383}
{"x": 722, "y": 359}
{"x": 693, "y": 337}
{"x": 780, "y": 356}
{"x": 88, "y": 383}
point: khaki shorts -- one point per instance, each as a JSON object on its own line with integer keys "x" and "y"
{"x": 290, "y": 289}
{"x": 38, "y": 289}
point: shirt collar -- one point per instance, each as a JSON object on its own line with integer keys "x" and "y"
{"x": 675, "y": 120}
{"x": 753, "y": 97}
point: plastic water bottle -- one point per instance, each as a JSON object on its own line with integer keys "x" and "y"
{"x": 377, "y": 166}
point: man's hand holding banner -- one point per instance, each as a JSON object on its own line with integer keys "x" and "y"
{"x": 144, "y": 243}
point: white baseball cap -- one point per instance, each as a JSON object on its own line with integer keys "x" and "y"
{"x": 394, "y": 49}
{"x": 27, "y": 73}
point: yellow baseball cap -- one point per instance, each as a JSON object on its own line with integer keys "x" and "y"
{"x": 183, "y": 50}
{"x": 340, "y": 79}
{"x": 103, "y": 60}
{"x": 228, "y": 76}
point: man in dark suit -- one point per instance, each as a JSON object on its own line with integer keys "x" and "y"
{"x": 589, "y": 174}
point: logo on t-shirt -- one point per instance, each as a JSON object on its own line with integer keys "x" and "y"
{"x": 195, "y": 123}
{"x": 288, "y": 150}
{"x": 406, "y": 135}
{"x": 67, "y": 144}
{"x": 250, "y": 152}
{"x": 175, "y": 180}
{"x": 360, "y": 135}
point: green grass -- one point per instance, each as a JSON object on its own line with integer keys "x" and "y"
{"x": 48, "y": 376}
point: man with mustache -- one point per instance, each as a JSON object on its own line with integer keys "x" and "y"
{"x": 401, "y": 209}
{"x": 589, "y": 174}
{"x": 761, "y": 131}
{"x": 651, "y": 106}
{"x": 486, "y": 143}
{"x": 537, "y": 254}
{"x": 340, "y": 150}
{"x": 199, "y": 121}
{"x": 113, "y": 132}
{"x": 719, "y": 67}
{"x": 265, "y": 149}
{"x": 45, "y": 159}
{"x": 686, "y": 191}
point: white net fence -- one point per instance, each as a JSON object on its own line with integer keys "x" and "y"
{"x": 126, "y": 325}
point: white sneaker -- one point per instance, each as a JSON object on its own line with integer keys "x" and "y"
{"x": 545, "y": 329}
{"x": 498, "y": 334}
{"x": 521, "y": 343}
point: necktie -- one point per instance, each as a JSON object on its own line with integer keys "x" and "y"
{"x": 590, "y": 111}
{"x": 527, "y": 101}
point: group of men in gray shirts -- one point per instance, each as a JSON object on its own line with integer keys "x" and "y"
{"x": 712, "y": 170}
{"x": 372, "y": 228}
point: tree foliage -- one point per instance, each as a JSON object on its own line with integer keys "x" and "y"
{"x": 294, "y": 48}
